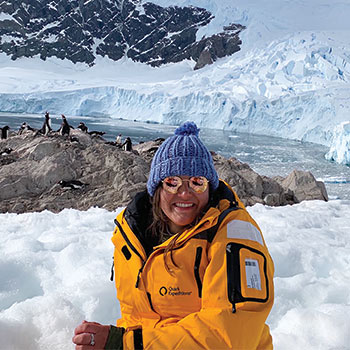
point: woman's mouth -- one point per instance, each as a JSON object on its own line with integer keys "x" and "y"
{"x": 184, "y": 205}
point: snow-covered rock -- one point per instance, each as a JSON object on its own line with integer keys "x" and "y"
{"x": 340, "y": 148}
{"x": 80, "y": 31}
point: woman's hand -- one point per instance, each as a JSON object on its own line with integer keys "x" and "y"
{"x": 90, "y": 335}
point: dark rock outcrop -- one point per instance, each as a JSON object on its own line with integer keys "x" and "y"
{"x": 253, "y": 188}
{"x": 81, "y": 30}
{"x": 303, "y": 185}
{"x": 32, "y": 174}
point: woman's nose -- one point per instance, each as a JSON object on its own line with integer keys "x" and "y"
{"x": 184, "y": 188}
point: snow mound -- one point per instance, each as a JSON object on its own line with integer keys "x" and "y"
{"x": 55, "y": 269}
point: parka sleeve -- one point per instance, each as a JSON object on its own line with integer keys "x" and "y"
{"x": 237, "y": 296}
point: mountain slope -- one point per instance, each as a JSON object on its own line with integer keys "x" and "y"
{"x": 82, "y": 30}
{"x": 290, "y": 78}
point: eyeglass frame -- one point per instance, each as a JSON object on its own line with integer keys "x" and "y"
{"x": 203, "y": 178}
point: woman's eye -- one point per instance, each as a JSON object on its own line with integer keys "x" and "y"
{"x": 171, "y": 182}
{"x": 197, "y": 182}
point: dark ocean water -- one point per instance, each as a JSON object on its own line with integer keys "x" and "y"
{"x": 267, "y": 155}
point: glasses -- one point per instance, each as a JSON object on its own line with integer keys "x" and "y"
{"x": 197, "y": 183}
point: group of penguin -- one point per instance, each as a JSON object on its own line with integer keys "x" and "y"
{"x": 64, "y": 129}
{"x": 45, "y": 129}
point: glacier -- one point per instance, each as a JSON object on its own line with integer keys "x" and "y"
{"x": 290, "y": 79}
{"x": 340, "y": 146}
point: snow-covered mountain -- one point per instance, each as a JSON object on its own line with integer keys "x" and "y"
{"x": 79, "y": 31}
{"x": 290, "y": 78}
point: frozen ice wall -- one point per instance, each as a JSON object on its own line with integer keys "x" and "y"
{"x": 295, "y": 88}
{"x": 291, "y": 79}
{"x": 340, "y": 147}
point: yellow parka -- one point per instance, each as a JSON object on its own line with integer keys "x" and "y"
{"x": 218, "y": 295}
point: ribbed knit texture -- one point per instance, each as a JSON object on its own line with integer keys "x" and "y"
{"x": 183, "y": 154}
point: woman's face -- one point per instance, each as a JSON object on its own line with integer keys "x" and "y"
{"x": 184, "y": 206}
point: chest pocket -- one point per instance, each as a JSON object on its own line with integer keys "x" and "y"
{"x": 178, "y": 293}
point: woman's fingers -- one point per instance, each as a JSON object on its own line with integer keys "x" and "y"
{"x": 88, "y": 331}
{"x": 86, "y": 347}
{"x": 87, "y": 327}
{"x": 82, "y": 339}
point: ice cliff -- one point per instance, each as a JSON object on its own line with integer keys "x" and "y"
{"x": 340, "y": 146}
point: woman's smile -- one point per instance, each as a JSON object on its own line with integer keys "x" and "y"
{"x": 183, "y": 207}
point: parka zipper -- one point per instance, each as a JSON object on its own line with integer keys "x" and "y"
{"x": 112, "y": 270}
{"x": 150, "y": 301}
{"x": 133, "y": 249}
{"x": 143, "y": 265}
{"x": 197, "y": 263}
{"x": 139, "y": 274}
{"x": 234, "y": 275}
{"x": 231, "y": 275}
{"x": 127, "y": 240}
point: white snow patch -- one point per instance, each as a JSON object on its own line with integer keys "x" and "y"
{"x": 55, "y": 269}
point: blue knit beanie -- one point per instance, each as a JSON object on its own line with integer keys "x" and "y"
{"x": 183, "y": 154}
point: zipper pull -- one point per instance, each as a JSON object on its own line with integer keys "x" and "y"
{"x": 233, "y": 308}
{"x": 139, "y": 274}
{"x": 232, "y": 302}
{"x": 112, "y": 270}
{"x": 138, "y": 278}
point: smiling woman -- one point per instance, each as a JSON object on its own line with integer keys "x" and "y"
{"x": 191, "y": 266}
{"x": 183, "y": 206}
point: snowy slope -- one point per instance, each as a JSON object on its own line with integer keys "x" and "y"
{"x": 55, "y": 268}
{"x": 291, "y": 78}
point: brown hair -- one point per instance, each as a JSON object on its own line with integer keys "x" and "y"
{"x": 160, "y": 229}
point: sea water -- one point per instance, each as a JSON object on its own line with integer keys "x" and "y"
{"x": 270, "y": 156}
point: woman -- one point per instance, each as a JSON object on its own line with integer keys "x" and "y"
{"x": 192, "y": 270}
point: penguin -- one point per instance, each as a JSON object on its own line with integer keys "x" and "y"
{"x": 6, "y": 151}
{"x": 72, "y": 184}
{"x": 83, "y": 127}
{"x": 127, "y": 145}
{"x": 46, "y": 128}
{"x": 25, "y": 127}
{"x": 5, "y": 132}
{"x": 95, "y": 133}
{"x": 65, "y": 127}
{"x": 118, "y": 140}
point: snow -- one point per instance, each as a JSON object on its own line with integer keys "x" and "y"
{"x": 261, "y": 93}
{"x": 6, "y": 16}
{"x": 340, "y": 146}
{"x": 291, "y": 78}
{"x": 55, "y": 269}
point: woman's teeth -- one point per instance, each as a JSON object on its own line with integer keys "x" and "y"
{"x": 184, "y": 205}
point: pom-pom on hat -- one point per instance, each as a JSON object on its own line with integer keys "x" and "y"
{"x": 182, "y": 154}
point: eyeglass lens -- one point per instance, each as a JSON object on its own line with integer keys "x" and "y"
{"x": 197, "y": 183}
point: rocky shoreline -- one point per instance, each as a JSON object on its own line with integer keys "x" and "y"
{"x": 80, "y": 171}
